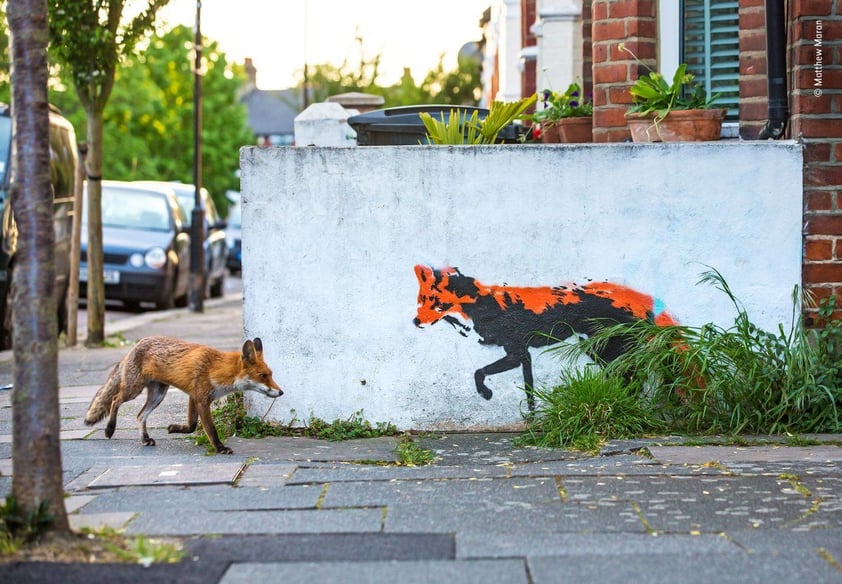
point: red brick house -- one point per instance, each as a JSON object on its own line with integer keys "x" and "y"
{"x": 725, "y": 44}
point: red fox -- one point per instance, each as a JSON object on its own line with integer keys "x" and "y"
{"x": 518, "y": 318}
{"x": 203, "y": 373}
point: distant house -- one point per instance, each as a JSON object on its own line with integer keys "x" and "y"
{"x": 271, "y": 113}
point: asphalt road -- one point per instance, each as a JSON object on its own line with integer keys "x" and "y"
{"x": 115, "y": 311}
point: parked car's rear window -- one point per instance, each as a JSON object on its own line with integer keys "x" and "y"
{"x": 133, "y": 209}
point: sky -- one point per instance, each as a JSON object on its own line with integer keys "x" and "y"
{"x": 279, "y": 35}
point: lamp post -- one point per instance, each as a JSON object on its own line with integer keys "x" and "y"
{"x": 197, "y": 222}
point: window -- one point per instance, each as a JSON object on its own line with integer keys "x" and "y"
{"x": 710, "y": 45}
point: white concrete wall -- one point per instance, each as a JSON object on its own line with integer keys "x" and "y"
{"x": 331, "y": 237}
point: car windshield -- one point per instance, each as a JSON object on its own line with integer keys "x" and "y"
{"x": 186, "y": 195}
{"x": 5, "y": 145}
{"x": 133, "y": 209}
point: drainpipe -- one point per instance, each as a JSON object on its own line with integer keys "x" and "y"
{"x": 776, "y": 70}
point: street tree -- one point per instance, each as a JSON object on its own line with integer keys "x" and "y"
{"x": 89, "y": 39}
{"x": 147, "y": 127}
{"x": 36, "y": 451}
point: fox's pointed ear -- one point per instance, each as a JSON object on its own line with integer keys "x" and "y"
{"x": 249, "y": 352}
{"x": 258, "y": 345}
{"x": 423, "y": 273}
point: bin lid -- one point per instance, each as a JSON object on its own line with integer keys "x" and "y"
{"x": 404, "y": 117}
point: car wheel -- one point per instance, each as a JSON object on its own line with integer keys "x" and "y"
{"x": 61, "y": 312}
{"x": 168, "y": 301}
{"x": 183, "y": 300}
{"x": 217, "y": 289}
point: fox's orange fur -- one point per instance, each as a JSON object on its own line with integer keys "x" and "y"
{"x": 204, "y": 373}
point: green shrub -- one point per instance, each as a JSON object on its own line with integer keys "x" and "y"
{"x": 588, "y": 407}
{"x": 739, "y": 379}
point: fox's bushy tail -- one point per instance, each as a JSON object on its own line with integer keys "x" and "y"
{"x": 101, "y": 403}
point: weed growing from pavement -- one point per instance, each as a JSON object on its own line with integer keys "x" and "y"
{"x": 230, "y": 419}
{"x": 700, "y": 380}
{"x": 411, "y": 454}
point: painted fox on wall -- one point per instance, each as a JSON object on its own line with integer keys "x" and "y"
{"x": 519, "y": 318}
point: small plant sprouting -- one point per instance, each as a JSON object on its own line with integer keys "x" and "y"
{"x": 410, "y": 454}
{"x": 19, "y": 527}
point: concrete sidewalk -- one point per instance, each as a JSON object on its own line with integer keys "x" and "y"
{"x": 297, "y": 509}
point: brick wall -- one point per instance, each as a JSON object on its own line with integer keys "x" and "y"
{"x": 754, "y": 102}
{"x": 815, "y": 55}
{"x": 631, "y": 22}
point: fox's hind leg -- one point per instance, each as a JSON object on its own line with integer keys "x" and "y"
{"x": 192, "y": 420}
{"x": 527, "y": 380}
{"x": 155, "y": 394}
{"x": 116, "y": 402}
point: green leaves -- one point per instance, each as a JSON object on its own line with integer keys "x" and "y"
{"x": 652, "y": 94}
{"x": 461, "y": 128}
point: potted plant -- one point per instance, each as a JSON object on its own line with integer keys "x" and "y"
{"x": 565, "y": 117}
{"x": 680, "y": 111}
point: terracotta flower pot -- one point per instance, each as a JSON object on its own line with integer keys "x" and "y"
{"x": 549, "y": 133}
{"x": 575, "y": 130}
{"x": 677, "y": 126}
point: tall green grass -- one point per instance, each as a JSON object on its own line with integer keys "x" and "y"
{"x": 715, "y": 379}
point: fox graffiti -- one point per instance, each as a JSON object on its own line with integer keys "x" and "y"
{"x": 519, "y": 318}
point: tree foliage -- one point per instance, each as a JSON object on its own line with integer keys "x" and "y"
{"x": 148, "y": 124}
{"x": 460, "y": 86}
{"x": 88, "y": 39}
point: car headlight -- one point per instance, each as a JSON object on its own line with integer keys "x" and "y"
{"x": 155, "y": 258}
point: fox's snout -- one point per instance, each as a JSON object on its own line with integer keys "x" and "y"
{"x": 417, "y": 322}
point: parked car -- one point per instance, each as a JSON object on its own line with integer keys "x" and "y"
{"x": 146, "y": 245}
{"x": 215, "y": 246}
{"x": 234, "y": 235}
{"x": 63, "y": 171}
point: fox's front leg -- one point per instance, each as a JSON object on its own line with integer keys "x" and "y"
{"x": 192, "y": 420}
{"x": 204, "y": 410}
{"x": 510, "y": 361}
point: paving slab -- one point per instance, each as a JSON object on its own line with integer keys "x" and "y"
{"x": 266, "y": 475}
{"x": 327, "y": 547}
{"x": 169, "y": 474}
{"x": 504, "y": 544}
{"x": 357, "y": 472}
{"x": 191, "y": 522}
{"x": 682, "y": 567}
{"x": 479, "y": 572}
{"x": 75, "y": 502}
{"x": 302, "y": 448}
{"x": 523, "y": 492}
{"x": 610, "y": 466}
{"x": 205, "y": 498}
{"x": 599, "y": 517}
{"x": 727, "y": 454}
{"x": 764, "y": 541}
{"x": 488, "y": 448}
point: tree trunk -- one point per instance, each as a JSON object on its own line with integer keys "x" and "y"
{"x": 96, "y": 287}
{"x": 36, "y": 448}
